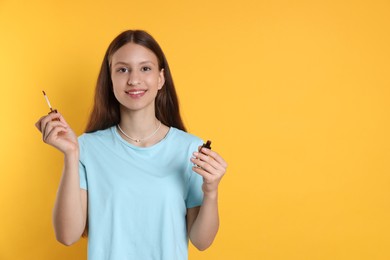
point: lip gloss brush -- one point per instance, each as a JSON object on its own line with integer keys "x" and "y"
{"x": 48, "y": 103}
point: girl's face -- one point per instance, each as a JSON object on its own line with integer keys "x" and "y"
{"x": 136, "y": 77}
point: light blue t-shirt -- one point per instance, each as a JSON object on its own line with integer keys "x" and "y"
{"x": 138, "y": 197}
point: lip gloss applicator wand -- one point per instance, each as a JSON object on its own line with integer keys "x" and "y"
{"x": 48, "y": 103}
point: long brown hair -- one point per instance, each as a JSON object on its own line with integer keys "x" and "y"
{"x": 105, "y": 112}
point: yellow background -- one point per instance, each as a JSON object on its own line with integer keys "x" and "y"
{"x": 294, "y": 94}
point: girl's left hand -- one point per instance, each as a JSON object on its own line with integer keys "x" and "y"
{"x": 211, "y": 166}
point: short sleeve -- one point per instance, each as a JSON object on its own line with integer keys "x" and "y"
{"x": 83, "y": 176}
{"x": 82, "y": 170}
{"x": 195, "y": 192}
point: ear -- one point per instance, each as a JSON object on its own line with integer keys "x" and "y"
{"x": 161, "y": 79}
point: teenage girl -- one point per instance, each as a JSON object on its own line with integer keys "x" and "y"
{"x": 136, "y": 181}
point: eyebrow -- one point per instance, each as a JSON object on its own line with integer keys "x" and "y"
{"x": 141, "y": 63}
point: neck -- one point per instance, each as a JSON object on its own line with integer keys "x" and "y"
{"x": 144, "y": 139}
{"x": 139, "y": 129}
{"x": 142, "y": 126}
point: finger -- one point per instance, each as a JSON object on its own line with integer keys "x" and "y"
{"x": 43, "y": 125}
{"x": 53, "y": 133}
{"x": 48, "y": 128}
{"x": 48, "y": 125}
{"x": 201, "y": 172}
{"x": 205, "y": 166}
{"x": 214, "y": 155}
{"x": 208, "y": 159}
{"x": 44, "y": 119}
{"x": 38, "y": 123}
{"x": 62, "y": 119}
{"x": 52, "y": 117}
{"x": 207, "y": 178}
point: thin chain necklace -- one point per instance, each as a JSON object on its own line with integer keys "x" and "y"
{"x": 139, "y": 140}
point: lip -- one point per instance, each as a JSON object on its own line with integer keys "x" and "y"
{"x": 136, "y": 93}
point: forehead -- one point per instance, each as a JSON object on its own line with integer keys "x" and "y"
{"x": 133, "y": 53}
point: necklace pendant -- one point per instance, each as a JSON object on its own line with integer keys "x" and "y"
{"x": 139, "y": 140}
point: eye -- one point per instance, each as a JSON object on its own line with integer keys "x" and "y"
{"x": 146, "y": 68}
{"x": 122, "y": 70}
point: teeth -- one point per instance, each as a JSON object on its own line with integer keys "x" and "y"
{"x": 135, "y": 92}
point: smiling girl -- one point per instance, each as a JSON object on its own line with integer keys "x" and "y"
{"x": 135, "y": 180}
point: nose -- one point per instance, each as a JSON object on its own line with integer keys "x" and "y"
{"x": 133, "y": 79}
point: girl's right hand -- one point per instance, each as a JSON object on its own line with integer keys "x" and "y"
{"x": 57, "y": 133}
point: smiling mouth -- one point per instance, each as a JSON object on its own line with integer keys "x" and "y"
{"x": 135, "y": 92}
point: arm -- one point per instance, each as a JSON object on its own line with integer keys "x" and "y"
{"x": 203, "y": 221}
{"x": 70, "y": 210}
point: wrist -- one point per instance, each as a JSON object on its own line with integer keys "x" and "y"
{"x": 71, "y": 155}
{"x": 210, "y": 195}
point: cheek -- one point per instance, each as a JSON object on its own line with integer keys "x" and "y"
{"x": 117, "y": 82}
{"x": 153, "y": 82}
{"x": 116, "y": 93}
{"x": 116, "y": 86}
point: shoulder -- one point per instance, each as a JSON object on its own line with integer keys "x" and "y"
{"x": 93, "y": 137}
{"x": 184, "y": 137}
{"x": 98, "y": 142}
{"x": 183, "y": 142}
